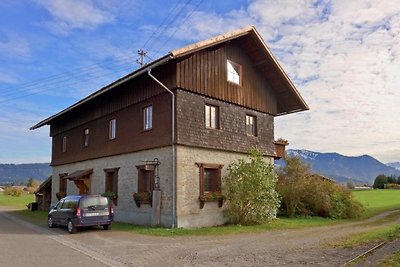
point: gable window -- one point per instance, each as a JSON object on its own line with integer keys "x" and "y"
{"x": 112, "y": 125}
{"x": 111, "y": 184}
{"x": 251, "y": 125}
{"x": 210, "y": 183}
{"x": 234, "y": 71}
{"x": 86, "y": 137}
{"x": 211, "y": 117}
{"x": 148, "y": 118}
{"x": 64, "y": 144}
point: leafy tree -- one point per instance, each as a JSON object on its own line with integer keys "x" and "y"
{"x": 391, "y": 179}
{"x": 250, "y": 190}
{"x": 398, "y": 180}
{"x": 380, "y": 181}
{"x": 292, "y": 185}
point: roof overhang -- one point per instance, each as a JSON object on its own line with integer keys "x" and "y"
{"x": 79, "y": 175}
{"x": 105, "y": 89}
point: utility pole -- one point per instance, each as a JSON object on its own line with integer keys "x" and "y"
{"x": 142, "y": 54}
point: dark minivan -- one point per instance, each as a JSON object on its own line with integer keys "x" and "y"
{"x": 81, "y": 211}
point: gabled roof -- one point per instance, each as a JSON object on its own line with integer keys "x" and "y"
{"x": 289, "y": 99}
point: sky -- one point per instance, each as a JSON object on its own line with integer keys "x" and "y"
{"x": 343, "y": 57}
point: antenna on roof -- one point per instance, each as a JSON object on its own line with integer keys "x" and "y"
{"x": 140, "y": 60}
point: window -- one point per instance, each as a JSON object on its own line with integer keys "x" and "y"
{"x": 111, "y": 183}
{"x": 210, "y": 177}
{"x": 64, "y": 144}
{"x": 148, "y": 118}
{"x": 251, "y": 128}
{"x": 63, "y": 184}
{"x": 234, "y": 72}
{"x": 86, "y": 137}
{"x": 146, "y": 180}
{"x": 112, "y": 124}
{"x": 211, "y": 117}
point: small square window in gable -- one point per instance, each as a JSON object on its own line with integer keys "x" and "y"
{"x": 234, "y": 71}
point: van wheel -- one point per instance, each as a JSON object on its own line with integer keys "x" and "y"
{"x": 107, "y": 227}
{"x": 71, "y": 228}
{"x": 50, "y": 223}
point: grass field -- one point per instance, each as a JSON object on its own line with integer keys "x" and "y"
{"x": 377, "y": 201}
{"x": 16, "y": 202}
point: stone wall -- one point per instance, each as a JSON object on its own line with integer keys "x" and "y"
{"x": 188, "y": 206}
{"x": 126, "y": 210}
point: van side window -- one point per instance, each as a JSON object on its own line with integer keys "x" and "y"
{"x": 65, "y": 204}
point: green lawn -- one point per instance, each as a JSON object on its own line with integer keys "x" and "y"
{"x": 377, "y": 201}
{"x": 16, "y": 202}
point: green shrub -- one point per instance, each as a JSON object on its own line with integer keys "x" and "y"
{"x": 307, "y": 194}
{"x": 13, "y": 191}
{"x": 392, "y": 186}
{"x": 250, "y": 191}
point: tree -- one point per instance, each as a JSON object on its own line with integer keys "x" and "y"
{"x": 250, "y": 190}
{"x": 292, "y": 185}
{"x": 398, "y": 180}
{"x": 380, "y": 181}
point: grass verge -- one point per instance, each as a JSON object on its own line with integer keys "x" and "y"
{"x": 392, "y": 261}
{"x": 16, "y": 202}
{"x": 387, "y": 233}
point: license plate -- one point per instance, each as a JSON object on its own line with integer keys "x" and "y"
{"x": 91, "y": 214}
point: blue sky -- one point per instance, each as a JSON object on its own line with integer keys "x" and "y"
{"x": 343, "y": 57}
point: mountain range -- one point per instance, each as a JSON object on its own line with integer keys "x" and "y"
{"x": 362, "y": 169}
{"x": 20, "y": 173}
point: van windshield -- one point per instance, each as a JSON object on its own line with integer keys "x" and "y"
{"x": 94, "y": 202}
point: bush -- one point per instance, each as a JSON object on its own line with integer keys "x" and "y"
{"x": 13, "y": 191}
{"x": 392, "y": 186}
{"x": 306, "y": 194}
{"x": 250, "y": 190}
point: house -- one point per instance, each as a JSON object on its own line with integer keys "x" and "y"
{"x": 160, "y": 138}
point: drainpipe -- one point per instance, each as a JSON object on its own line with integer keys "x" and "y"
{"x": 173, "y": 147}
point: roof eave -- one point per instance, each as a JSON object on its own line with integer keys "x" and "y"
{"x": 106, "y": 88}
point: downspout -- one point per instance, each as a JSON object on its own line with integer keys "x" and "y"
{"x": 173, "y": 147}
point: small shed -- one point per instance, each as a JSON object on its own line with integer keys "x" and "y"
{"x": 43, "y": 195}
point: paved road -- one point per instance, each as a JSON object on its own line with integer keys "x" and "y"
{"x": 24, "y": 244}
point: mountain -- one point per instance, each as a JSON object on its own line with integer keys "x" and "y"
{"x": 20, "y": 173}
{"x": 361, "y": 169}
{"x": 395, "y": 165}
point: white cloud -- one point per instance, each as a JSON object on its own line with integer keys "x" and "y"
{"x": 75, "y": 14}
{"x": 13, "y": 45}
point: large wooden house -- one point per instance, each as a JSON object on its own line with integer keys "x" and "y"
{"x": 159, "y": 140}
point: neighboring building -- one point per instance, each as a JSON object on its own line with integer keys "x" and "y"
{"x": 177, "y": 122}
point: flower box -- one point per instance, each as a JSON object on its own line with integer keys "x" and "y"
{"x": 111, "y": 195}
{"x": 143, "y": 198}
{"x": 211, "y": 196}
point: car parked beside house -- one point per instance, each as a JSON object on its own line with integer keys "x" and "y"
{"x": 82, "y": 211}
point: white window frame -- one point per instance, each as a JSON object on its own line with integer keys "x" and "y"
{"x": 251, "y": 125}
{"x": 211, "y": 116}
{"x": 112, "y": 129}
{"x": 148, "y": 118}
{"x": 86, "y": 133}
{"x": 64, "y": 144}
{"x": 234, "y": 72}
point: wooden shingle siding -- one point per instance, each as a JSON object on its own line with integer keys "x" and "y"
{"x": 205, "y": 73}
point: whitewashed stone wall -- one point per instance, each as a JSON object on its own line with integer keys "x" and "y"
{"x": 126, "y": 210}
{"x": 188, "y": 206}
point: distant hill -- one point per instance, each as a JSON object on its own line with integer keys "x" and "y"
{"x": 395, "y": 165}
{"x": 20, "y": 173}
{"x": 362, "y": 169}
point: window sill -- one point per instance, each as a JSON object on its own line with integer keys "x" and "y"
{"x": 143, "y": 198}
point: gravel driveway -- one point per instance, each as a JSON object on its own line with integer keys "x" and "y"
{"x": 296, "y": 247}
